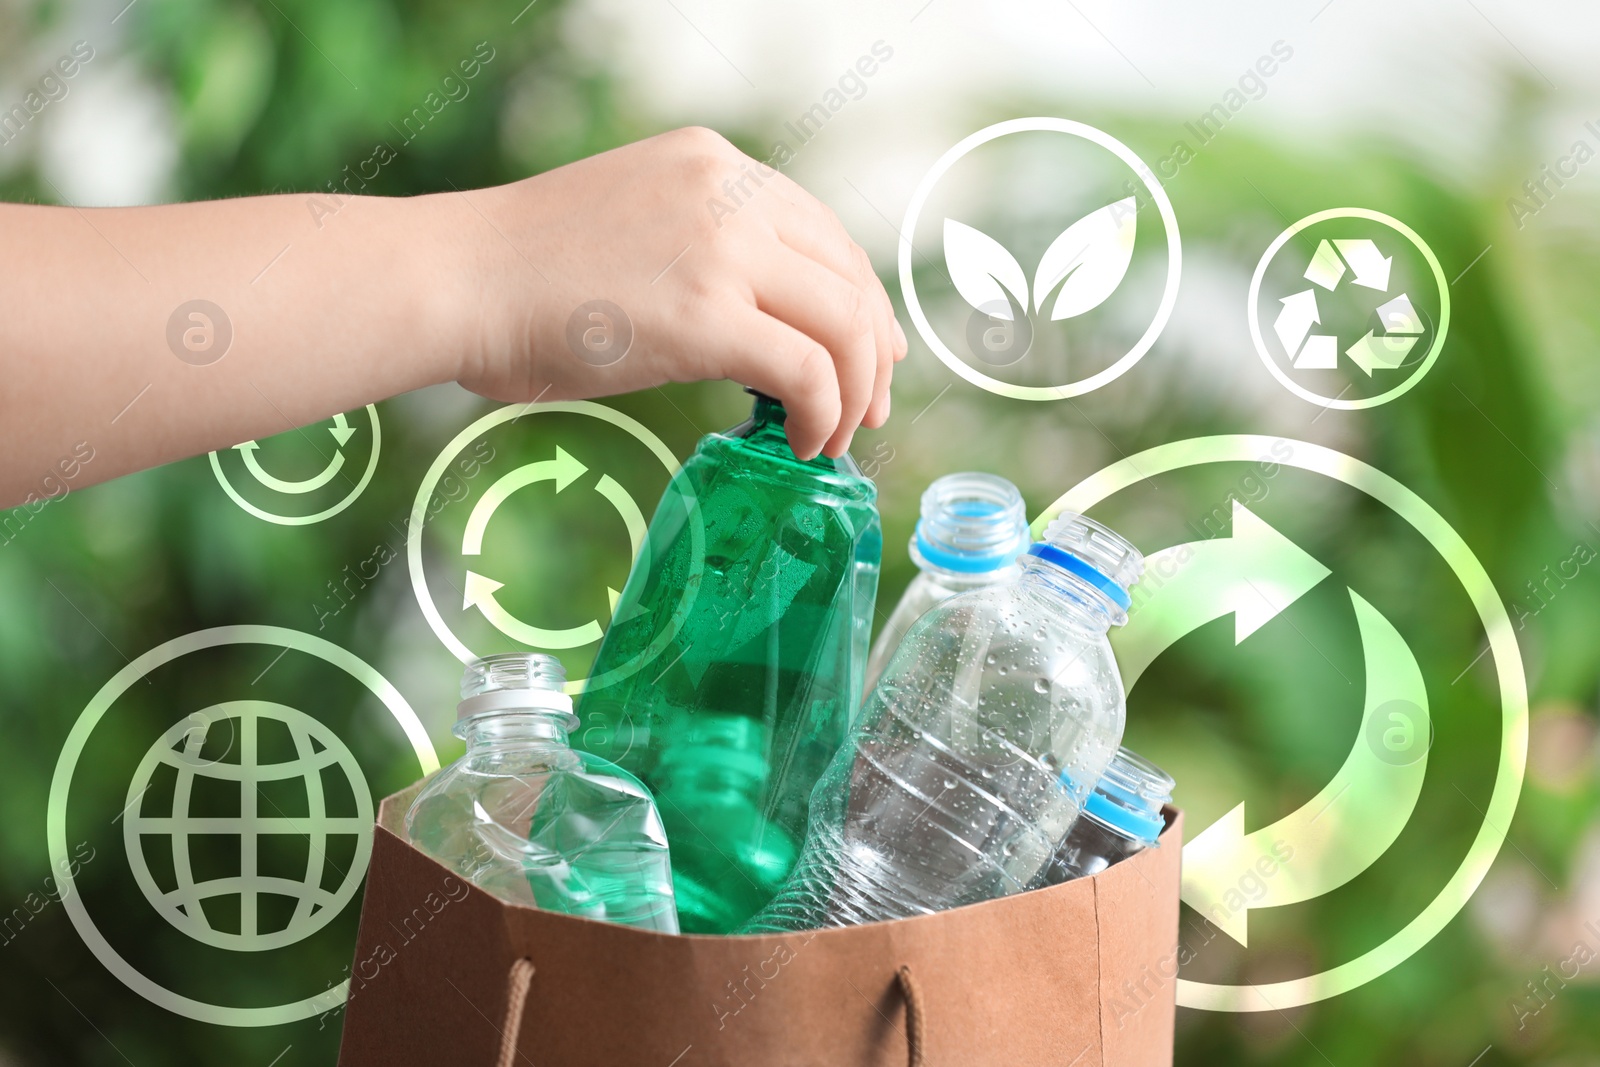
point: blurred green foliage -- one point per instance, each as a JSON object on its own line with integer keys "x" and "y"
{"x": 286, "y": 95}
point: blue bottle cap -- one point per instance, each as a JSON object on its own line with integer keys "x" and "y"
{"x": 972, "y": 523}
{"x": 1129, "y": 796}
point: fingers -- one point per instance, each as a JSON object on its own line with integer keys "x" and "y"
{"x": 812, "y": 229}
{"x": 774, "y": 357}
{"x": 836, "y": 313}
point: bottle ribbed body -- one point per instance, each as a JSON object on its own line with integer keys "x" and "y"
{"x": 971, "y": 529}
{"x": 736, "y": 657}
{"x": 957, "y": 784}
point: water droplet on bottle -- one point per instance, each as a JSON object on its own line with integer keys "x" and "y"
{"x": 989, "y": 659}
{"x": 1040, "y": 685}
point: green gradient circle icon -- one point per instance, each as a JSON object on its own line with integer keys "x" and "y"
{"x": 181, "y": 748}
{"x": 317, "y": 748}
{"x": 1337, "y": 267}
{"x": 287, "y": 489}
{"x": 561, "y": 470}
{"x": 1072, "y": 258}
{"x": 1469, "y": 874}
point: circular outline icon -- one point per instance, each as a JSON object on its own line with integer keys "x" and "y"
{"x": 1249, "y": 448}
{"x": 619, "y": 323}
{"x": 72, "y": 749}
{"x": 175, "y": 911}
{"x": 216, "y": 318}
{"x": 1252, "y": 308}
{"x": 1041, "y": 124}
{"x": 1376, "y": 736}
{"x": 307, "y": 520}
{"x": 430, "y": 480}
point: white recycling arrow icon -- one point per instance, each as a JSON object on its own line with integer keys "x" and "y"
{"x": 1371, "y": 266}
{"x": 1368, "y": 267}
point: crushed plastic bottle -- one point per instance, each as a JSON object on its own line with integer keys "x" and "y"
{"x": 972, "y": 529}
{"x": 736, "y": 657}
{"x": 1122, "y": 817}
{"x": 534, "y": 821}
{"x": 957, "y": 784}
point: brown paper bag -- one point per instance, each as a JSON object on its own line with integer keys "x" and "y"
{"x": 1082, "y": 973}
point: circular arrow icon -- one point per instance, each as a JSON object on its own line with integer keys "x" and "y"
{"x": 563, "y": 470}
{"x": 1254, "y": 574}
{"x": 481, "y": 591}
{"x": 341, "y": 431}
{"x": 1299, "y": 325}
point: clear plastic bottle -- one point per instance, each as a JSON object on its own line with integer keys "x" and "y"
{"x": 972, "y": 529}
{"x": 1121, "y": 817}
{"x": 534, "y": 821}
{"x": 957, "y": 783}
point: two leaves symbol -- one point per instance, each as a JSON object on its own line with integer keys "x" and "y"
{"x": 1088, "y": 261}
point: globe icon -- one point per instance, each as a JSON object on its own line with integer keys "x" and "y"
{"x": 230, "y": 826}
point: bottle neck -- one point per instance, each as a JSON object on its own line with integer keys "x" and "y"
{"x": 961, "y": 581}
{"x": 514, "y": 730}
{"x": 1129, "y": 797}
{"x": 1073, "y": 596}
{"x": 764, "y": 432}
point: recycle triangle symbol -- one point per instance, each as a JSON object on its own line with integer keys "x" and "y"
{"x": 1369, "y": 268}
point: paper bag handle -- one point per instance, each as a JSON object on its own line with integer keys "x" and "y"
{"x": 517, "y": 981}
{"x": 520, "y": 977}
{"x": 914, "y": 1034}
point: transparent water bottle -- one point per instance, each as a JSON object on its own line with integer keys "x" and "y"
{"x": 959, "y": 779}
{"x": 534, "y": 821}
{"x": 1122, "y": 816}
{"x": 972, "y": 529}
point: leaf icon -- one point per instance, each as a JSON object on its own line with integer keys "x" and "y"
{"x": 979, "y": 266}
{"x": 1092, "y": 255}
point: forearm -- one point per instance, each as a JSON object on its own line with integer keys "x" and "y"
{"x": 314, "y": 312}
{"x": 324, "y": 318}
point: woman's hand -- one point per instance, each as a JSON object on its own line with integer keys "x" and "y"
{"x": 328, "y": 301}
{"x": 722, "y": 267}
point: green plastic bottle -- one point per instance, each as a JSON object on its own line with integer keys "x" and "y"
{"x": 736, "y": 657}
